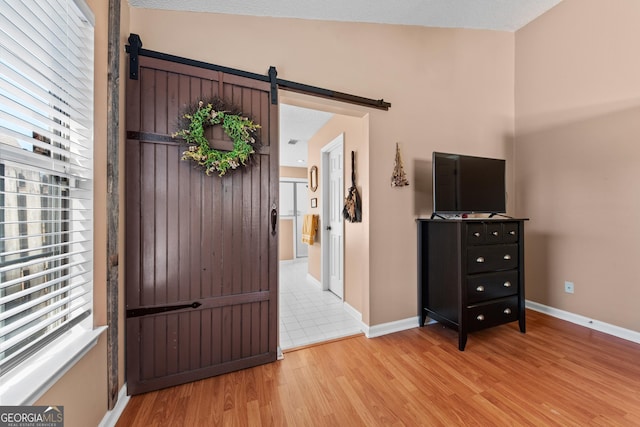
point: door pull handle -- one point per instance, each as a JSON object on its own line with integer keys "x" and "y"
{"x": 274, "y": 219}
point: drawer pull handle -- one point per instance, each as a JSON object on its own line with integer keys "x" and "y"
{"x": 495, "y": 233}
{"x": 507, "y": 284}
{"x": 507, "y": 311}
{"x": 480, "y": 288}
{"x": 512, "y": 232}
{"x": 507, "y": 257}
{"x": 480, "y": 259}
{"x": 480, "y": 317}
{"x": 476, "y": 234}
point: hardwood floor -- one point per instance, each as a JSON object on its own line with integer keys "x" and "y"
{"x": 557, "y": 373}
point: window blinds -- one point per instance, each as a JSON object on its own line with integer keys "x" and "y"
{"x": 46, "y": 174}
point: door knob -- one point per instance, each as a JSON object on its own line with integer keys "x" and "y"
{"x": 328, "y": 227}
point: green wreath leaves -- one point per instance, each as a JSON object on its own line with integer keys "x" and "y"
{"x": 240, "y": 129}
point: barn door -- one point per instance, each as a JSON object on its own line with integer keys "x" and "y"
{"x": 201, "y": 256}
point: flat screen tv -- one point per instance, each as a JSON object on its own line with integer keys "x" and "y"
{"x": 468, "y": 184}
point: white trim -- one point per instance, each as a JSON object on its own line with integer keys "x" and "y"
{"x": 352, "y": 311}
{"x": 412, "y": 322}
{"x": 357, "y": 316}
{"x": 607, "y": 328}
{"x": 391, "y": 327}
{"x": 111, "y": 418}
{"x": 23, "y": 386}
{"x": 287, "y": 179}
{"x": 314, "y": 281}
{"x": 596, "y": 325}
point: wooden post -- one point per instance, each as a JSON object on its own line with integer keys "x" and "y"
{"x": 113, "y": 196}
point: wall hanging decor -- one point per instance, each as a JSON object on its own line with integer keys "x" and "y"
{"x": 313, "y": 178}
{"x": 242, "y": 131}
{"x": 352, "y": 210}
{"x": 399, "y": 178}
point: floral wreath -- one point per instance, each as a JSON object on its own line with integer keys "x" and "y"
{"x": 216, "y": 112}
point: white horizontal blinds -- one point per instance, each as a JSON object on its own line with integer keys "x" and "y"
{"x": 46, "y": 173}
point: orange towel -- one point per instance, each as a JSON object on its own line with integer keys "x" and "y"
{"x": 309, "y": 228}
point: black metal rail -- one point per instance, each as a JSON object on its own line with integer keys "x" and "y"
{"x": 134, "y": 48}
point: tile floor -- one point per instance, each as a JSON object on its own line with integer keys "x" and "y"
{"x": 307, "y": 313}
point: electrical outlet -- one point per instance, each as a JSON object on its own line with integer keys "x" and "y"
{"x": 568, "y": 287}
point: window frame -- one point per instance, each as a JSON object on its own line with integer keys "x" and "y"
{"x": 35, "y": 374}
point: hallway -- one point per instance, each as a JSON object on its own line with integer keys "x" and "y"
{"x": 308, "y": 314}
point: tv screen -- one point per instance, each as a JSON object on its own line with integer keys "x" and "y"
{"x": 467, "y": 184}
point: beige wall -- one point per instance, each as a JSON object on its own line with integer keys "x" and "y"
{"x": 292, "y": 172}
{"x": 577, "y": 157}
{"x": 83, "y": 389}
{"x": 285, "y": 240}
{"x": 450, "y": 90}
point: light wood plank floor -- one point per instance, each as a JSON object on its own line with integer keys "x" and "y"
{"x": 557, "y": 374}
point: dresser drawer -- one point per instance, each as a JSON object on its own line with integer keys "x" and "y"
{"x": 476, "y": 234}
{"x": 487, "y": 286}
{"x": 510, "y": 232}
{"x": 492, "y": 233}
{"x": 491, "y": 314}
{"x": 492, "y": 258}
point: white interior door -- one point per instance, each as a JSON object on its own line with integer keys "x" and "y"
{"x": 335, "y": 223}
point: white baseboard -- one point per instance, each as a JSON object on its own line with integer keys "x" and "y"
{"x": 596, "y": 325}
{"x": 314, "y": 281}
{"x": 111, "y": 417}
{"x": 379, "y": 330}
{"x": 607, "y": 328}
{"x": 391, "y": 327}
{"x": 352, "y": 311}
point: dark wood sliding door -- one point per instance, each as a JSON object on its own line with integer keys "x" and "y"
{"x": 201, "y": 256}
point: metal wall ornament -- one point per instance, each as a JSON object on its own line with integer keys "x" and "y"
{"x": 399, "y": 177}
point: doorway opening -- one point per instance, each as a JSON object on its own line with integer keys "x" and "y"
{"x": 309, "y": 311}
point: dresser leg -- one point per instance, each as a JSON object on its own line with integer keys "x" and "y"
{"x": 521, "y": 322}
{"x": 462, "y": 341}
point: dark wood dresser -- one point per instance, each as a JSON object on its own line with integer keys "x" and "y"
{"x": 471, "y": 273}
